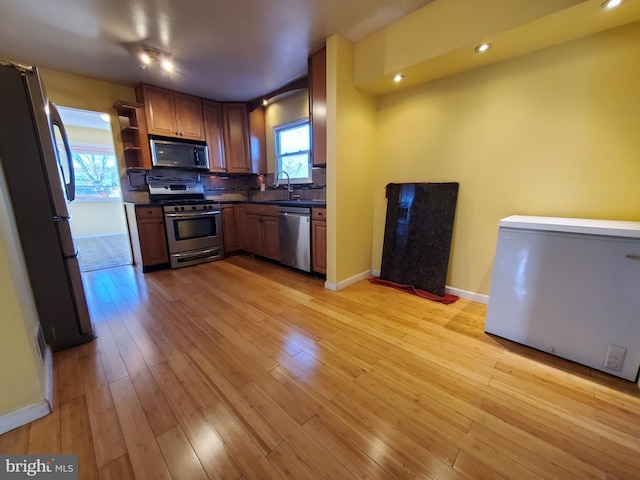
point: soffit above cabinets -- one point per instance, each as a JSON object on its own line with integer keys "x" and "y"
{"x": 428, "y": 45}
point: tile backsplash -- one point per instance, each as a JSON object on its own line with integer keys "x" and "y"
{"x": 246, "y": 188}
{"x": 236, "y": 188}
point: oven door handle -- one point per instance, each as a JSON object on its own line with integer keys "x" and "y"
{"x": 191, "y": 215}
{"x": 197, "y": 253}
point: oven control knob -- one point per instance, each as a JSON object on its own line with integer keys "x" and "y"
{"x": 193, "y": 208}
{"x": 181, "y": 208}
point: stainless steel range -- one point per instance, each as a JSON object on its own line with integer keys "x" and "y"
{"x": 193, "y": 225}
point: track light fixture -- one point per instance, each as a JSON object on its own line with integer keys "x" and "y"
{"x": 150, "y": 57}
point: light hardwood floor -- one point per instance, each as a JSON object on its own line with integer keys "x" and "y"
{"x": 241, "y": 369}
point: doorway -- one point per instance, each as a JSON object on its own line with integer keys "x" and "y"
{"x": 98, "y": 222}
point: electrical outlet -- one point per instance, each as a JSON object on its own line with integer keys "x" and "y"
{"x": 614, "y": 358}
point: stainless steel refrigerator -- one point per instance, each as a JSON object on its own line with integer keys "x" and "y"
{"x": 38, "y": 168}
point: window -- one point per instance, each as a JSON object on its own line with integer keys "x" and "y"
{"x": 96, "y": 171}
{"x": 293, "y": 151}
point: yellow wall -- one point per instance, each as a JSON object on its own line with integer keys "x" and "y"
{"x": 21, "y": 373}
{"x": 553, "y": 133}
{"x": 94, "y": 218}
{"x": 351, "y": 124}
{"x": 288, "y": 109}
{"x": 73, "y": 91}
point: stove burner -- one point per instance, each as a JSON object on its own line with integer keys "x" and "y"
{"x": 191, "y": 207}
{"x": 192, "y": 201}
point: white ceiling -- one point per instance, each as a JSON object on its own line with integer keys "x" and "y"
{"x": 223, "y": 49}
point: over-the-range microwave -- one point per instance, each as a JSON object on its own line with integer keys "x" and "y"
{"x": 179, "y": 154}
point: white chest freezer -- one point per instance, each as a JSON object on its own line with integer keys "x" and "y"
{"x": 570, "y": 287}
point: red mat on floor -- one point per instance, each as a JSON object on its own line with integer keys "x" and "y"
{"x": 447, "y": 299}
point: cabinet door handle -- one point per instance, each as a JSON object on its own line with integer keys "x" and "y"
{"x": 631, "y": 256}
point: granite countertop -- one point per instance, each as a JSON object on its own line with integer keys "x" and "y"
{"x": 289, "y": 203}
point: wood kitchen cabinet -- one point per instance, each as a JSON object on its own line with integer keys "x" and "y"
{"x": 236, "y": 137}
{"x": 262, "y": 237}
{"x": 319, "y": 240}
{"x": 258, "y": 141}
{"x": 133, "y": 133}
{"x": 241, "y": 221}
{"x": 318, "y": 106}
{"x": 172, "y": 114}
{"x": 148, "y": 237}
{"x": 213, "y": 127}
{"x": 230, "y": 229}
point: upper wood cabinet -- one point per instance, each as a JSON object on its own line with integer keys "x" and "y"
{"x": 213, "y": 135}
{"x": 258, "y": 141}
{"x": 236, "y": 137}
{"x": 318, "y": 106}
{"x": 171, "y": 114}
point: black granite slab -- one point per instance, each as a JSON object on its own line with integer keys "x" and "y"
{"x": 417, "y": 237}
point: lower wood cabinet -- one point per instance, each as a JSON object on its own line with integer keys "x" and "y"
{"x": 230, "y": 229}
{"x": 148, "y": 237}
{"x": 319, "y": 240}
{"x": 261, "y": 228}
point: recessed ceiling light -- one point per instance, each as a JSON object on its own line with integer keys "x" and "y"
{"x": 265, "y": 102}
{"x": 483, "y": 47}
{"x": 398, "y": 78}
{"x": 609, "y": 4}
{"x": 145, "y": 58}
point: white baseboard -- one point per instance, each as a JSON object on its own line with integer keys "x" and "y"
{"x": 466, "y": 294}
{"x": 32, "y": 412}
{"x": 349, "y": 281}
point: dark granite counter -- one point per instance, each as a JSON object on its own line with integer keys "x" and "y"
{"x": 289, "y": 203}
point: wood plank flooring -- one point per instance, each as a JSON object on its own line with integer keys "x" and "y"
{"x": 241, "y": 369}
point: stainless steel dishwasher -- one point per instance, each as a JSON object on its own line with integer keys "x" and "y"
{"x": 294, "y": 225}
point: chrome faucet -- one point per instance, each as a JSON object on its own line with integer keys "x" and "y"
{"x": 289, "y": 189}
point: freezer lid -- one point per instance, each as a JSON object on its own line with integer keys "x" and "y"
{"x": 609, "y": 228}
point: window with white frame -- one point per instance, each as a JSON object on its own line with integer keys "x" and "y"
{"x": 293, "y": 151}
{"x": 96, "y": 172}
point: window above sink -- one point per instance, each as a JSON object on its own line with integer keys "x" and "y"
{"x": 293, "y": 150}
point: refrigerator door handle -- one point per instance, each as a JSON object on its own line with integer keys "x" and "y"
{"x": 56, "y": 123}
